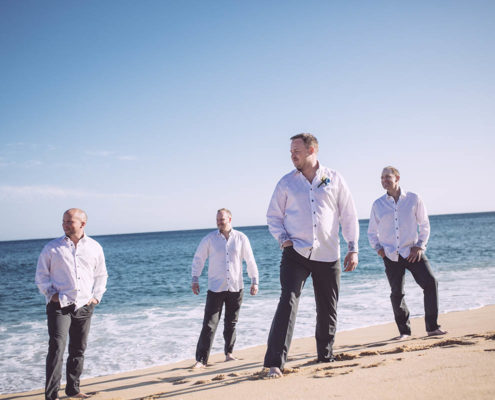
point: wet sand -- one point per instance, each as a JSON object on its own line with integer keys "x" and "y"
{"x": 371, "y": 364}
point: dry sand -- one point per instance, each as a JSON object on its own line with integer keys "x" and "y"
{"x": 371, "y": 365}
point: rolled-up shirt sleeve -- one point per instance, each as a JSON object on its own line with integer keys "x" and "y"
{"x": 373, "y": 237}
{"x": 100, "y": 277}
{"x": 42, "y": 278}
{"x": 199, "y": 259}
{"x": 423, "y": 224}
{"x": 248, "y": 256}
{"x": 348, "y": 217}
{"x": 275, "y": 215}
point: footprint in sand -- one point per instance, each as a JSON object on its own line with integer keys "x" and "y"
{"x": 345, "y": 357}
{"x": 368, "y": 353}
{"x": 201, "y": 382}
{"x": 375, "y": 364}
{"x": 180, "y": 382}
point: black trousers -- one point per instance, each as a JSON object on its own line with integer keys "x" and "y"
{"x": 294, "y": 270}
{"x": 60, "y": 322}
{"x": 213, "y": 313}
{"x": 423, "y": 275}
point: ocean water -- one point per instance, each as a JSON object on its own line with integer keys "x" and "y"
{"x": 149, "y": 315}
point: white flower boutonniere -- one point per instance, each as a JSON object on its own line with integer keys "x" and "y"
{"x": 324, "y": 181}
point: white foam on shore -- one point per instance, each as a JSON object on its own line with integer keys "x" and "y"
{"x": 126, "y": 341}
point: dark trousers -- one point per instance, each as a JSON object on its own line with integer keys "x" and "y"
{"x": 423, "y": 275}
{"x": 60, "y": 322}
{"x": 294, "y": 270}
{"x": 213, "y": 313}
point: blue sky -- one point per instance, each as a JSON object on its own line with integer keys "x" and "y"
{"x": 151, "y": 115}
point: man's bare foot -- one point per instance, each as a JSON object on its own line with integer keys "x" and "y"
{"x": 404, "y": 336}
{"x": 230, "y": 357}
{"x": 81, "y": 395}
{"x": 198, "y": 365}
{"x": 275, "y": 373}
{"x": 437, "y": 332}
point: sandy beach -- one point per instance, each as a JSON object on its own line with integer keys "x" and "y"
{"x": 370, "y": 365}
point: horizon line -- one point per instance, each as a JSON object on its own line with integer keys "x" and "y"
{"x": 211, "y": 228}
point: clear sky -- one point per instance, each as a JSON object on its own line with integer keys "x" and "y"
{"x": 151, "y": 115}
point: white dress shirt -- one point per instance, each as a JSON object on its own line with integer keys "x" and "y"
{"x": 225, "y": 261}
{"x": 77, "y": 274}
{"x": 309, "y": 213}
{"x": 393, "y": 226}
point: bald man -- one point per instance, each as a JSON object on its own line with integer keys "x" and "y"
{"x": 72, "y": 275}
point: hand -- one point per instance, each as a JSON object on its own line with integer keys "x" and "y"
{"x": 55, "y": 298}
{"x": 92, "y": 301}
{"x": 254, "y": 289}
{"x": 195, "y": 288}
{"x": 350, "y": 261}
{"x": 415, "y": 254}
{"x": 381, "y": 253}
{"x": 287, "y": 243}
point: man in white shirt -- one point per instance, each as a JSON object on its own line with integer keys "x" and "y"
{"x": 225, "y": 248}
{"x": 304, "y": 214}
{"x": 72, "y": 275}
{"x": 393, "y": 233}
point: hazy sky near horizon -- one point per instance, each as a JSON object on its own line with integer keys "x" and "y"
{"x": 151, "y": 115}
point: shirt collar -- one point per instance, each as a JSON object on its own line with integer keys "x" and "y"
{"x": 220, "y": 233}
{"x": 319, "y": 171}
{"x": 403, "y": 194}
{"x": 67, "y": 239}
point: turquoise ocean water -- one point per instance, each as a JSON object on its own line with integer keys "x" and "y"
{"x": 149, "y": 315}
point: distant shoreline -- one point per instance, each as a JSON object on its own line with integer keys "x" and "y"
{"x": 213, "y": 228}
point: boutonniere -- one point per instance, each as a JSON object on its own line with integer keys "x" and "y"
{"x": 324, "y": 181}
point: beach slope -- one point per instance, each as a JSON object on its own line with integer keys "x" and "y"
{"x": 370, "y": 365}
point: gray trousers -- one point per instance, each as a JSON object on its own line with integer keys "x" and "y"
{"x": 213, "y": 313}
{"x": 423, "y": 275}
{"x": 294, "y": 270}
{"x": 60, "y": 322}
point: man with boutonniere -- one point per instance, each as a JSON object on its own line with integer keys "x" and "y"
{"x": 72, "y": 275}
{"x": 395, "y": 220}
{"x": 305, "y": 211}
{"x": 226, "y": 249}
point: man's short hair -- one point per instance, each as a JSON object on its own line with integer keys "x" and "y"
{"x": 308, "y": 139}
{"x": 225, "y": 210}
{"x": 394, "y": 170}
{"x": 80, "y": 213}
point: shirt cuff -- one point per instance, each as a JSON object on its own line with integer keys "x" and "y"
{"x": 352, "y": 247}
{"x": 50, "y": 292}
{"x": 420, "y": 243}
{"x": 254, "y": 281}
{"x": 195, "y": 279}
{"x": 282, "y": 239}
